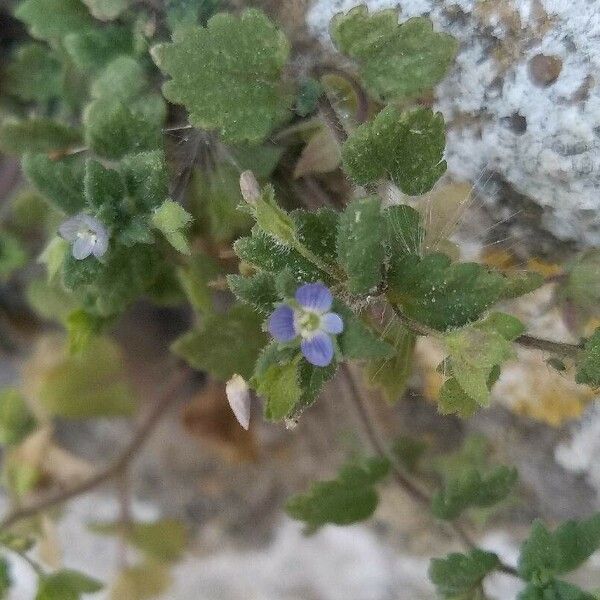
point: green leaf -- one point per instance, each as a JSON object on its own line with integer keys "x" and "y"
{"x": 104, "y": 191}
{"x": 122, "y": 79}
{"x": 348, "y": 499}
{"x": 108, "y": 287}
{"x": 407, "y": 147}
{"x": 395, "y": 61}
{"x": 263, "y": 252}
{"x": 12, "y": 255}
{"x": 521, "y": 283}
{"x": 82, "y": 327}
{"x": 105, "y": 10}
{"x": 164, "y": 540}
{"x": 146, "y": 178}
{"x": 360, "y": 244}
{"x": 113, "y": 129}
{"x": 214, "y": 197}
{"x": 261, "y": 160}
{"x": 317, "y": 232}
{"x": 171, "y": 219}
{"x": 195, "y": 278}
{"x": 60, "y": 181}
{"x": 454, "y": 400}
{"x": 66, "y": 585}
{"x": 272, "y": 219}
{"x": 53, "y": 19}
{"x": 474, "y": 352}
{"x": 582, "y": 284}
{"x": 459, "y": 576}
{"x": 588, "y": 365}
{"x": 472, "y": 489}
{"x": 279, "y": 386}
{"x": 358, "y": 340}
{"x": 16, "y": 421}
{"x": 442, "y": 294}
{"x": 91, "y": 50}
{"x": 509, "y": 327}
{"x": 228, "y": 75}
{"x": 224, "y": 344}
{"x": 85, "y": 385}
{"x": 390, "y": 374}
{"x": 36, "y": 135}
{"x": 545, "y": 554}
{"x": 34, "y": 74}
{"x": 258, "y": 291}
{"x": 555, "y": 590}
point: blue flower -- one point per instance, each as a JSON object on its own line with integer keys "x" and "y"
{"x": 87, "y": 234}
{"x": 310, "y": 319}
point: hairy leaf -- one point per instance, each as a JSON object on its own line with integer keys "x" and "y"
{"x": 258, "y": 291}
{"x": 390, "y": 374}
{"x": 459, "y": 576}
{"x": 279, "y": 386}
{"x": 472, "y": 489}
{"x": 66, "y": 585}
{"x": 122, "y": 79}
{"x": 228, "y": 75}
{"x": 113, "y": 129}
{"x": 224, "y": 344}
{"x": 546, "y": 553}
{"x": 442, "y": 294}
{"x": 406, "y": 147}
{"x": 474, "y": 352}
{"x": 395, "y": 61}
{"x": 348, "y": 499}
{"x": 358, "y": 340}
{"x": 146, "y": 178}
{"x": 171, "y": 219}
{"x": 36, "y": 135}
{"x": 360, "y": 244}
{"x": 60, "y": 182}
{"x": 34, "y": 74}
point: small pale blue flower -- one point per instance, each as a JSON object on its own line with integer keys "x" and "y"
{"x": 310, "y": 320}
{"x": 88, "y": 236}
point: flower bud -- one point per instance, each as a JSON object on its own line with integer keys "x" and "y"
{"x": 249, "y": 187}
{"x": 238, "y": 396}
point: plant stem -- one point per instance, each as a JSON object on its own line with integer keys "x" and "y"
{"x": 415, "y": 492}
{"x": 527, "y": 341}
{"x": 167, "y": 397}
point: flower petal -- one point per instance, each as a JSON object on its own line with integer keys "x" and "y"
{"x": 332, "y": 323}
{"x": 281, "y": 324}
{"x": 318, "y": 350}
{"x": 315, "y": 297}
{"x": 70, "y": 228}
{"x": 101, "y": 245}
{"x": 83, "y": 247}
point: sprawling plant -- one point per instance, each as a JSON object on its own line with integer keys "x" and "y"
{"x": 324, "y": 286}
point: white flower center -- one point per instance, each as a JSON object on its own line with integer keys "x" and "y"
{"x": 307, "y": 322}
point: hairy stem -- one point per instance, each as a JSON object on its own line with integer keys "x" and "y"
{"x": 167, "y": 397}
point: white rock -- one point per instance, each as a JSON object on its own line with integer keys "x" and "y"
{"x": 556, "y": 160}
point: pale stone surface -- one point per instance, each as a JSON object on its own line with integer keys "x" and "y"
{"x": 535, "y": 125}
